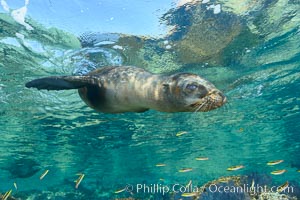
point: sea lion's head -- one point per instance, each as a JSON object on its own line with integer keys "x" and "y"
{"x": 192, "y": 93}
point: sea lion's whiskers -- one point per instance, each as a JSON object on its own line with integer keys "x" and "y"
{"x": 211, "y": 103}
{"x": 198, "y": 106}
{"x": 227, "y": 106}
{"x": 201, "y": 105}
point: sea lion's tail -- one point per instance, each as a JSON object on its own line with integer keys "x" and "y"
{"x": 61, "y": 82}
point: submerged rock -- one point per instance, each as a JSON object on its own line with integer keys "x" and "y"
{"x": 251, "y": 187}
{"x": 23, "y": 168}
{"x": 9, "y": 198}
{"x": 224, "y": 188}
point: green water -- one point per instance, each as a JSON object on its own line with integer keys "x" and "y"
{"x": 260, "y": 75}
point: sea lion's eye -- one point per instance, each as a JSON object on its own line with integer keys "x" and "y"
{"x": 191, "y": 87}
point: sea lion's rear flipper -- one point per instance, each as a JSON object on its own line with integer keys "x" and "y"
{"x": 61, "y": 82}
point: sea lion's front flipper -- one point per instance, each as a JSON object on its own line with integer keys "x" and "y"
{"x": 61, "y": 82}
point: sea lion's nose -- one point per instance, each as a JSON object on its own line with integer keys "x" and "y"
{"x": 219, "y": 96}
{"x": 224, "y": 99}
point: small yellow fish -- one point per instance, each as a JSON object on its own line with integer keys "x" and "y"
{"x": 78, "y": 181}
{"x": 181, "y": 133}
{"x": 160, "y": 165}
{"x": 185, "y": 170}
{"x": 190, "y": 194}
{"x": 119, "y": 191}
{"x": 6, "y": 195}
{"x": 298, "y": 170}
{"x": 101, "y": 137}
{"x": 234, "y": 168}
{"x": 189, "y": 184}
{"x": 278, "y": 172}
{"x": 44, "y": 174}
{"x": 252, "y": 185}
{"x": 202, "y": 158}
{"x": 15, "y": 184}
{"x": 161, "y": 179}
{"x": 275, "y": 162}
{"x": 241, "y": 130}
{"x": 223, "y": 181}
{"x": 283, "y": 187}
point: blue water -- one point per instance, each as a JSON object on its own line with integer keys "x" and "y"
{"x": 246, "y": 50}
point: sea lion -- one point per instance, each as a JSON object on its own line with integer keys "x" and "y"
{"x": 132, "y": 89}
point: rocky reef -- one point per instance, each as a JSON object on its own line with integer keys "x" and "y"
{"x": 246, "y": 187}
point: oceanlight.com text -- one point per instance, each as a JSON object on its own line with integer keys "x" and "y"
{"x": 213, "y": 188}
